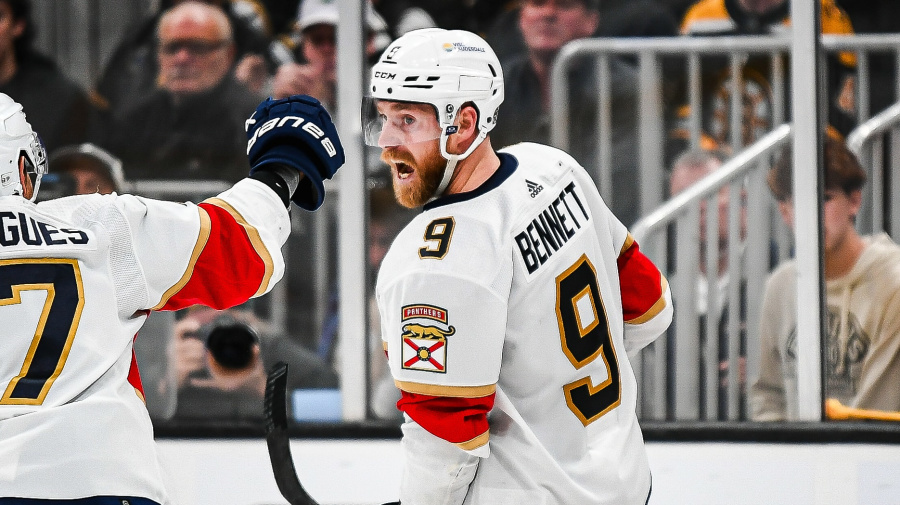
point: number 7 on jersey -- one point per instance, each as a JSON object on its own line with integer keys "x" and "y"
{"x": 59, "y": 313}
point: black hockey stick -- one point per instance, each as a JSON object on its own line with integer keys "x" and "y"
{"x": 275, "y": 409}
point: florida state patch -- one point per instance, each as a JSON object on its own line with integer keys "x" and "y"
{"x": 424, "y": 344}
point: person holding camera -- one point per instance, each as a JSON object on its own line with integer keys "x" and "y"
{"x": 220, "y": 363}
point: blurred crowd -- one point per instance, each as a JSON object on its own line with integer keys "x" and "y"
{"x": 171, "y": 102}
{"x": 171, "y": 99}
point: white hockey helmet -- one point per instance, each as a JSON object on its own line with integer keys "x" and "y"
{"x": 17, "y": 140}
{"x": 444, "y": 68}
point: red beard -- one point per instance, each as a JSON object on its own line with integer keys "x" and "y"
{"x": 422, "y": 177}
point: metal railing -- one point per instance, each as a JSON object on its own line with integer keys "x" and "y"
{"x": 688, "y": 358}
{"x": 655, "y": 115}
{"x": 867, "y": 142}
{"x": 681, "y": 358}
{"x": 82, "y": 53}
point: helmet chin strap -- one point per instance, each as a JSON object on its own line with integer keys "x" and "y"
{"x": 449, "y": 168}
{"x": 34, "y": 190}
{"x": 452, "y": 159}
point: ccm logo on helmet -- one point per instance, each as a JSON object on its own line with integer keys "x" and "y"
{"x": 311, "y": 128}
{"x": 385, "y": 75}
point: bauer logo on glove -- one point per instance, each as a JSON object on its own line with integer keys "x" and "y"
{"x": 296, "y": 132}
{"x": 291, "y": 122}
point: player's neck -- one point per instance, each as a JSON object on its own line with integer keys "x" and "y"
{"x": 475, "y": 169}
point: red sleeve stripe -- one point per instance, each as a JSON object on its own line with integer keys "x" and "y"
{"x": 232, "y": 267}
{"x": 460, "y": 421}
{"x": 257, "y": 242}
{"x": 134, "y": 377}
{"x": 446, "y": 391}
{"x": 642, "y": 285}
{"x": 655, "y": 309}
{"x": 198, "y": 248}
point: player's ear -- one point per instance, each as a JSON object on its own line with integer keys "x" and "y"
{"x": 468, "y": 121}
{"x": 27, "y": 186}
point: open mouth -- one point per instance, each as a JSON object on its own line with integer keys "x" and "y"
{"x": 403, "y": 170}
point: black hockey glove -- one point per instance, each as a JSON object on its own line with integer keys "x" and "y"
{"x": 296, "y": 132}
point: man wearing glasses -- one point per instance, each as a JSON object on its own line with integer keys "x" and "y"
{"x": 192, "y": 125}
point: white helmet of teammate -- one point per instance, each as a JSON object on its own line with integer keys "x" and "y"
{"x": 444, "y": 68}
{"x": 17, "y": 140}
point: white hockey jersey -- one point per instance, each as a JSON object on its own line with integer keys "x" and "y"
{"x": 506, "y": 314}
{"x": 78, "y": 277}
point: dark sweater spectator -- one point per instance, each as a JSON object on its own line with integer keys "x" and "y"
{"x": 192, "y": 127}
{"x": 132, "y": 70}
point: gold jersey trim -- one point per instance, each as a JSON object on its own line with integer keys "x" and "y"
{"x": 202, "y": 239}
{"x": 629, "y": 241}
{"x": 475, "y": 443}
{"x": 446, "y": 391}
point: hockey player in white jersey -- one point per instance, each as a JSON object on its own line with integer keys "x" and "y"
{"x": 78, "y": 276}
{"x": 509, "y": 306}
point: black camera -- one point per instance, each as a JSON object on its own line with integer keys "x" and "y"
{"x": 229, "y": 341}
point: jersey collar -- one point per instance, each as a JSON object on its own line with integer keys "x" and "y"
{"x": 508, "y": 165}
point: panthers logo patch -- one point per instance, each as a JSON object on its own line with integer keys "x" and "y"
{"x": 424, "y": 344}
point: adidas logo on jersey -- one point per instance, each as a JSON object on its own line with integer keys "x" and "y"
{"x": 534, "y": 188}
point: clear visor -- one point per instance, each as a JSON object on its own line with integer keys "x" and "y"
{"x": 388, "y": 123}
{"x": 38, "y": 165}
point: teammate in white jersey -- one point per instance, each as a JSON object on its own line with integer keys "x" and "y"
{"x": 510, "y": 304}
{"x": 79, "y": 275}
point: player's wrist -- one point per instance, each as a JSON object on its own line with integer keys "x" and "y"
{"x": 297, "y": 133}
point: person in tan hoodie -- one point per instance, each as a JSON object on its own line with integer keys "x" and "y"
{"x": 862, "y": 283}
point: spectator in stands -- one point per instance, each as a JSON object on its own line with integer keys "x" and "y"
{"x": 132, "y": 71}
{"x": 763, "y": 17}
{"x": 192, "y": 127}
{"x": 862, "y": 284}
{"x": 315, "y": 71}
{"x": 83, "y": 169}
{"x": 221, "y": 359}
{"x": 689, "y": 168}
{"x": 547, "y": 25}
{"x": 56, "y": 106}
{"x": 618, "y": 18}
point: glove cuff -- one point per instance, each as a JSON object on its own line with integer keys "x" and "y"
{"x": 310, "y": 193}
